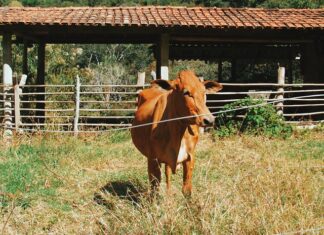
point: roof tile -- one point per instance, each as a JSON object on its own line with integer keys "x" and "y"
{"x": 166, "y": 16}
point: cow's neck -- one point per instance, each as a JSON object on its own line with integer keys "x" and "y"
{"x": 177, "y": 127}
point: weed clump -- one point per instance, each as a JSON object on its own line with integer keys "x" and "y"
{"x": 260, "y": 119}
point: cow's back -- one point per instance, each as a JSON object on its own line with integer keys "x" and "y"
{"x": 149, "y": 95}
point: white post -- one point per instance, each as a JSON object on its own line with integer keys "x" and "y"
{"x": 140, "y": 82}
{"x": 7, "y": 97}
{"x": 153, "y": 75}
{"x": 77, "y": 106}
{"x": 23, "y": 80}
{"x": 140, "y": 78}
{"x": 281, "y": 82}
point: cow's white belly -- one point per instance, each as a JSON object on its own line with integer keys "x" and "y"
{"x": 183, "y": 153}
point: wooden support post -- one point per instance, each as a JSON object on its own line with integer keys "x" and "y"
{"x": 7, "y": 49}
{"x": 280, "y": 96}
{"x": 8, "y": 83}
{"x": 220, "y": 71}
{"x": 233, "y": 71}
{"x": 162, "y": 60}
{"x": 77, "y": 106}
{"x": 25, "y": 72}
{"x": 25, "y": 59}
{"x": 41, "y": 81}
{"x": 311, "y": 64}
{"x": 290, "y": 71}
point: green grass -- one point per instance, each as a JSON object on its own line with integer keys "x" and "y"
{"x": 24, "y": 178}
{"x": 98, "y": 184}
{"x": 310, "y": 149}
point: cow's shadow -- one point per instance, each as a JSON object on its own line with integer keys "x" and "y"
{"x": 125, "y": 190}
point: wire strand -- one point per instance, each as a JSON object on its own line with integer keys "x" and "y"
{"x": 174, "y": 119}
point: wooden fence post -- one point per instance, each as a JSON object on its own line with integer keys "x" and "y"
{"x": 17, "y": 106}
{"x": 280, "y": 95}
{"x": 77, "y": 106}
{"x": 24, "y": 105}
{"x": 7, "y": 97}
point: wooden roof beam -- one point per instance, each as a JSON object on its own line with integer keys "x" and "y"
{"x": 208, "y": 39}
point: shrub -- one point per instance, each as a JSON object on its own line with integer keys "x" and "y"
{"x": 260, "y": 119}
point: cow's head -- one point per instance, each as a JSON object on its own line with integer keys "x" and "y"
{"x": 190, "y": 96}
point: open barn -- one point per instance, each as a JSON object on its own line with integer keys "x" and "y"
{"x": 232, "y": 37}
{"x": 68, "y": 151}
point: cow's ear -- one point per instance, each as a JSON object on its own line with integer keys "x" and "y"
{"x": 212, "y": 87}
{"x": 164, "y": 84}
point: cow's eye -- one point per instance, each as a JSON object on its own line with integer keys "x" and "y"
{"x": 186, "y": 92}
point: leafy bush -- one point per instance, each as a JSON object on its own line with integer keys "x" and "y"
{"x": 260, "y": 119}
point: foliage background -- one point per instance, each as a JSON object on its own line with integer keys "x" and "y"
{"x": 217, "y": 3}
{"x": 261, "y": 119}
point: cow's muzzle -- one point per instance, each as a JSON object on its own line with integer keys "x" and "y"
{"x": 208, "y": 120}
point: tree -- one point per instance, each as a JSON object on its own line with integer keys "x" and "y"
{"x": 213, "y": 3}
{"x": 277, "y": 3}
{"x": 15, "y": 4}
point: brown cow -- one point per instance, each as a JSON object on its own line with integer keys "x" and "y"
{"x": 172, "y": 142}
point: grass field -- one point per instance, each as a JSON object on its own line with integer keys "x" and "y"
{"x": 98, "y": 184}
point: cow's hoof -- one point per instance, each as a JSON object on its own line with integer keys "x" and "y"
{"x": 186, "y": 193}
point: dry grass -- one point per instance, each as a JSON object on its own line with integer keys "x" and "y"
{"x": 242, "y": 185}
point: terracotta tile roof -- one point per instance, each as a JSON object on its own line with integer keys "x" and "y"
{"x": 166, "y": 16}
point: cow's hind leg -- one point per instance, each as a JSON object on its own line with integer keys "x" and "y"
{"x": 154, "y": 172}
{"x": 168, "y": 172}
{"x": 188, "y": 166}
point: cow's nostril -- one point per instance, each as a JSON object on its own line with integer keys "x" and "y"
{"x": 208, "y": 121}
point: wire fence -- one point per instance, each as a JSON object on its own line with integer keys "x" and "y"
{"x": 95, "y": 108}
{"x": 293, "y": 108}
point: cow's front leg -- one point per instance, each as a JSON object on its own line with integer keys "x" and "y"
{"x": 154, "y": 172}
{"x": 188, "y": 166}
